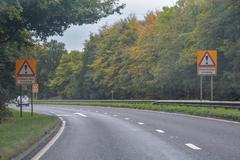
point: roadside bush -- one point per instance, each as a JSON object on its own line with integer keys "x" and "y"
{"x": 4, "y": 113}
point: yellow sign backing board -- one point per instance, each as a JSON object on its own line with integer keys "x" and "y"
{"x": 35, "y": 88}
{"x": 26, "y": 68}
{"x": 25, "y": 71}
{"x": 207, "y": 63}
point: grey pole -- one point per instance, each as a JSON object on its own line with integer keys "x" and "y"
{"x": 20, "y": 100}
{"x": 31, "y": 100}
{"x": 211, "y": 88}
{"x": 112, "y": 94}
{"x": 201, "y": 88}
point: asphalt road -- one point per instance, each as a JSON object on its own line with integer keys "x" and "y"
{"x": 105, "y": 133}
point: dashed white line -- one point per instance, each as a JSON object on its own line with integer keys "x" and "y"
{"x": 80, "y": 114}
{"x": 115, "y": 115}
{"x": 53, "y": 113}
{"x": 140, "y": 123}
{"x": 63, "y": 115}
{"x": 96, "y": 111}
{"x": 192, "y": 146}
{"x": 159, "y": 131}
{"x": 105, "y": 113}
{"x": 60, "y": 115}
{"x": 126, "y": 118}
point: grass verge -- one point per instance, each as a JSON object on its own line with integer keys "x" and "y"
{"x": 215, "y": 112}
{"x": 18, "y": 134}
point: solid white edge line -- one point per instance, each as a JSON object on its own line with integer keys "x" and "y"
{"x": 53, "y": 140}
{"x": 159, "y": 131}
{"x": 140, "y": 123}
{"x": 192, "y": 146}
{"x": 193, "y": 116}
{"x": 80, "y": 114}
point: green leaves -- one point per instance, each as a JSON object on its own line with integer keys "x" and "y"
{"x": 21, "y": 20}
{"x": 155, "y": 58}
{"x": 67, "y": 68}
{"x": 149, "y": 59}
{"x": 47, "y": 18}
{"x": 48, "y": 57}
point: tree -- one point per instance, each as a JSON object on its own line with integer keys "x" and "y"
{"x": 21, "y": 20}
{"x": 141, "y": 59}
{"x": 48, "y": 56}
{"x": 156, "y": 58}
{"x": 46, "y": 18}
{"x": 69, "y": 64}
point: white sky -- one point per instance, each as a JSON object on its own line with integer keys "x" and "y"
{"x": 75, "y": 36}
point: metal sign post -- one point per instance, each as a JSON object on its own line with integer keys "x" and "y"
{"x": 201, "y": 90}
{"x": 112, "y": 94}
{"x": 211, "y": 88}
{"x": 25, "y": 75}
{"x": 32, "y": 102}
{"x": 34, "y": 90}
{"x": 206, "y": 66}
{"x": 20, "y": 89}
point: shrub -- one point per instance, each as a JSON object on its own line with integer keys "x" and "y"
{"x": 4, "y": 113}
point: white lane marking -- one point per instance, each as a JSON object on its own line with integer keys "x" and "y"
{"x": 60, "y": 115}
{"x": 48, "y": 146}
{"x": 177, "y": 114}
{"x": 140, "y": 123}
{"x": 105, "y": 113}
{"x": 115, "y": 115}
{"x": 192, "y": 146}
{"x": 80, "y": 114}
{"x": 126, "y": 118}
{"x": 63, "y": 115}
{"x": 159, "y": 131}
{"x": 96, "y": 111}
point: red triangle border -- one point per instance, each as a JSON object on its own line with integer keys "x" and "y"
{"x": 18, "y": 74}
{"x": 214, "y": 64}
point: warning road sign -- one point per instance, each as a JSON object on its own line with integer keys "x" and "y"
{"x": 207, "y": 63}
{"x": 25, "y": 71}
{"x": 34, "y": 88}
{"x": 207, "y": 60}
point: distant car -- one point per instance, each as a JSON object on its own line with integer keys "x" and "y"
{"x": 25, "y": 101}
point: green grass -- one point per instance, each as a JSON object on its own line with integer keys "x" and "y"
{"x": 18, "y": 134}
{"x": 223, "y": 113}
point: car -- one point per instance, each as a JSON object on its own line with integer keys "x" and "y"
{"x": 25, "y": 101}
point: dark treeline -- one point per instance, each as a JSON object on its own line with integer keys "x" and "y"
{"x": 156, "y": 58}
{"x": 150, "y": 59}
{"x": 25, "y": 23}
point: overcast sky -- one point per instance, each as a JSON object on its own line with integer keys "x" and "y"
{"x": 75, "y": 36}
